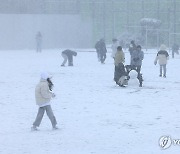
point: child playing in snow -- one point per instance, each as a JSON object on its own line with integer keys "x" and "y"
{"x": 162, "y": 57}
{"x": 43, "y": 95}
{"x": 68, "y": 55}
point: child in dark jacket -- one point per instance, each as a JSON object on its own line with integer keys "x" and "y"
{"x": 68, "y": 55}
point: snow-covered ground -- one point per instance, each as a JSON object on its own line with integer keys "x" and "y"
{"x": 94, "y": 115}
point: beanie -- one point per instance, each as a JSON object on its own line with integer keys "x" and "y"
{"x": 44, "y": 75}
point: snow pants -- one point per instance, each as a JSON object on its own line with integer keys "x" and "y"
{"x": 49, "y": 113}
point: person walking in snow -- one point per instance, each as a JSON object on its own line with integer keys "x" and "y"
{"x": 101, "y": 50}
{"x": 97, "y": 47}
{"x": 114, "y": 47}
{"x": 162, "y": 57}
{"x": 137, "y": 57}
{"x": 175, "y": 49}
{"x": 68, "y": 55}
{"x": 38, "y": 42}
{"x": 43, "y": 95}
{"x": 132, "y": 48}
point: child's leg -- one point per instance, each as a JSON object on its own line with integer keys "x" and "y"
{"x": 70, "y": 60}
{"x": 51, "y": 115}
{"x": 65, "y": 59}
{"x": 139, "y": 69}
{"x": 164, "y": 70}
{"x": 160, "y": 70}
{"x": 104, "y": 57}
{"x": 172, "y": 54}
{"x": 39, "y": 117}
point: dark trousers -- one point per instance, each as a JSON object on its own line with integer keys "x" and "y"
{"x": 102, "y": 57}
{"x": 138, "y": 68}
{"x": 173, "y": 52}
{"x": 70, "y": 60}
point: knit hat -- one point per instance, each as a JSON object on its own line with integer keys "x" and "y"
{"x": 45, "y": 75}
{"x": 119, "y": 48}
{"x": 162, "y": 47}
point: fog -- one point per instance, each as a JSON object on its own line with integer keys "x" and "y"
{"x": 18, "y": 31}
{"x": 80, "y": 23}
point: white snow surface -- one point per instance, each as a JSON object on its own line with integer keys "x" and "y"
{"x": 94, "y": 115}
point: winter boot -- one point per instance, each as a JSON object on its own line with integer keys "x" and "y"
{"x": 55, "y": 128}
{"x": 34, "y": 128}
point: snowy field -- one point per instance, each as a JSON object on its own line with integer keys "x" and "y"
{"x": 94, "y": 115}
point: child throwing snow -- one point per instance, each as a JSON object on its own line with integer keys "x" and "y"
{"x": 162, "y": 57}
{"x": 43, "y": 95}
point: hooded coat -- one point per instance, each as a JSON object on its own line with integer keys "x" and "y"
{"x": 43, "y": 94}
{"x": 162, "y": 56}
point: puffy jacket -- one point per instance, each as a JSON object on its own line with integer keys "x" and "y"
{"x": 119, "y": 58}
{"x": 137, "y": 57}
{"x": 162, "y": 57}
{"x": 42, "y": 93}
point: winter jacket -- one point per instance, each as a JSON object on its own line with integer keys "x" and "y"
{"x": 42, "y": 93}
{"x": 101, "y": 47}
{"x": 69, "y": 54}
{"x": 162, "y": 57}
{"x": 119, "y": 58}
{"x": 114, "y": 49}
{"x": 137, "y": 57}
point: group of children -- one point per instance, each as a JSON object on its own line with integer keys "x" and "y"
{"x": 122, "y": 74}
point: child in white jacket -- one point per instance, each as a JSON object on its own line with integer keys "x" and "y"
{"x": 162, "y": 57}
{"x": 43, "y": 95}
